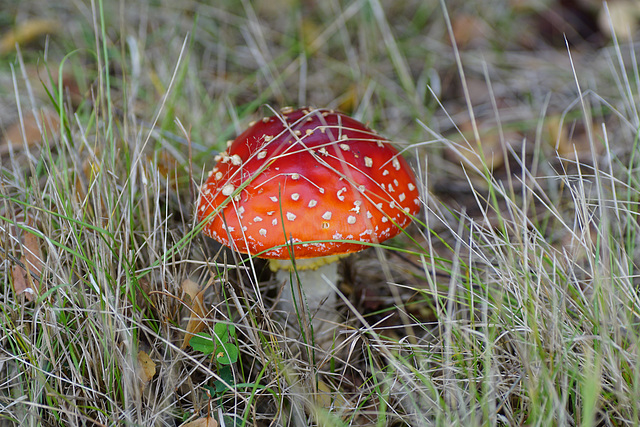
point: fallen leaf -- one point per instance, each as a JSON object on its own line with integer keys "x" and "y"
{"x": 349, "y": 100}
{"x": 622, "y": 18}
{"x": 32, "y": 254}
{"x": 491, "y": 144}
{"x": 326, "y": 398}
{"x": 469, "y": 30}
{"x": 202, "y": 422}
{"x": 196, "y": 310}
{"x": 20, "y": 285}
{"x": 28, "y": 130}
{"x": 72, "y": 86}
{"x": 571, "y": 139}
{"x": 31, "y": 258}
{"x": 27, "y": 32}
{"x": 146, "y": 367}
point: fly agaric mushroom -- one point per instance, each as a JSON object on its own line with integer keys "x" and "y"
{"x": 308, "y": 184}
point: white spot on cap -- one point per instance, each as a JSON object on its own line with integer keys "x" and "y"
{"x": 271, "y": 213}
{"x": 384, "y": 219}
{"x": 257, "y": 219}
{"x": 345, "y": 147}
{"x": 401, "y": 197}
{"x": 396, "y": 163}
{"x": 268, "y": 138}
{"x": 312, "y": 203}
{"x": 411, "y": 187}
{"x": 361, "y": 188}
{"x": 309, "y": 131}
{"x": 273, "y": 199}
{"x": 321, "y": 190}
{"x": 327, "y": 215}
{"x": 297, "y": 132}
{"x": 356, "y": 207}
{"x": 380, "y": 144}
{"x": 244, "y": 228}
{"x": 295, "y": 197}
{"x": 406, "y": 210}
{"x": 218, "y": 176}
{"x": 395, "y": 182}
{"x": 369, "y": 216}
{"x": 391, "y": 189}
{"x": 262, "y": 232}
{"x": 236, "y": 160}
{"x": 339, "y": 193}
{"x": 392, "y": 204}
{"x": 323, "y": 151}
{"x": 286, "y": 110}
{"x": 337, "y": 236}
{"x": 368, "y": 161}
{"x": 290, "y": 216}
{"x": 351, "y": 219}
{"x": 241, "y": 210}
{"x": 262, "y": 154}
{"x": 385, "y": 172}
{"x": 295, "y": 176}
{"x": 228, "y": 189}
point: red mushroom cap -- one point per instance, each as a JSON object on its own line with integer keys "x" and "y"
{"x": 307, "y": 176}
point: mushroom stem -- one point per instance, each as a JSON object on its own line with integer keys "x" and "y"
{"x": 315, "y": 299}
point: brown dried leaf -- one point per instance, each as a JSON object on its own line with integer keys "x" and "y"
{"x": 326, "y": 397}
{"x": 623, "y": 17}
{"x": 196, "y": 312}
{"x": 349, "y": 100}
{"x": 571, "y": 139}
{"x": 15, "y": 136}
{"x": 26, "y": 33}
{"x": 146, "y": 367}
{"x": 202, "y": 422}
{"x": 468, "y": 30}
{"x": 32, "y": 263}
{"x": 71, "y": 86}
{"x": 20, "y": 283}
{"x": 491, "y": 144}
{"x": 32, "y": 254}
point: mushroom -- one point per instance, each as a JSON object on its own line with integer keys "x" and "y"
{"x": 306, "y": 186}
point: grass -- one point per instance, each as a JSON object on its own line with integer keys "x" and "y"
{"x": 511, "y": 300}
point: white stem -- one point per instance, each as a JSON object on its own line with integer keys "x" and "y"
{"x": 318, "y": 287}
